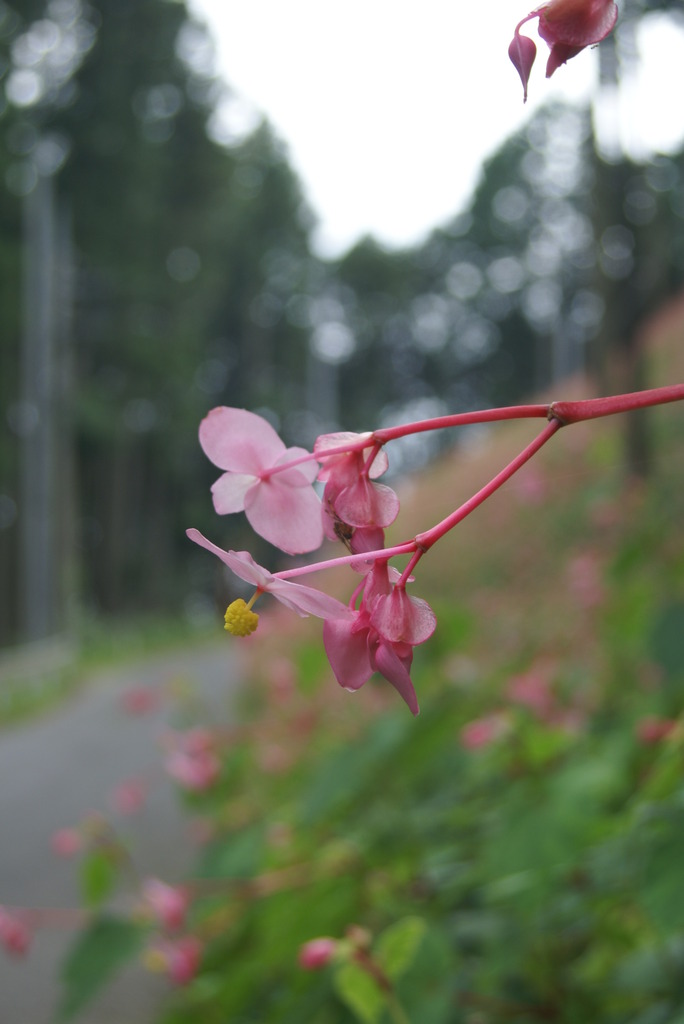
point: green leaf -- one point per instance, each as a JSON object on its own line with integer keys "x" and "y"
{"x": 98, "y": 877}
{"x": 360, "y": 992}
{"x": 238, "y": 855}
{"x": 97, "y": 953}
{"x": 398, "y": 944}
{"x": 667, "y": 639}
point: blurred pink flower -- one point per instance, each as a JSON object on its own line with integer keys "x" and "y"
{"x": 66, "y": 842}
{"x": 15, "y": 936}
{"x": 281, "y": 506}
{"x": 168, "y": 904}
{"x": 140, "y": 700}
{"x": 651, "y": 729}
{"x": 532, "y": 690}
{"x": 585, "y": 579}
{"x": 482, "y": 732}
{"x": 192, "y": 761}
{"x": 301, "y": 599}
{"x": 567, "y": 26}
{"x": 129, "y": 796}
{"x": 178, "y": 958}
{"x": 317, "y": 953}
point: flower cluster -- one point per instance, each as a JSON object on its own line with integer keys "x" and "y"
{"x": 567, "y": 26}
{"x": 274, "y": 486}
{"x": 377, "y": 630}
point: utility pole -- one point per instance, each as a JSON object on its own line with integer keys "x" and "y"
{"x": 38, "y": 556}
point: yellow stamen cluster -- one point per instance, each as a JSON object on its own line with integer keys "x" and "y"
{"x": 240, "y": 619}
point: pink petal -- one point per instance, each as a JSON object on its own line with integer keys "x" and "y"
{"x": 298, "y": 476}
{"x": 301, "y": 599}
{"x": 560, "y": 54}
{"x": 288, "y": 517}
{"x": 377, "y": 583}
{"x": 331, "y": 466}
{"x": 308, "y": 600}
{"x": 238, "y": 440}
{"x": 347, "y": 651}
{"x": 367, "y": 538}
{"x": 230, "y": 490}
{"x": 239, "y": 562}
{"x": 395, "y": 671}
{"x": 404, "y": 619}
{"x": 367, "y": 504}
{"x": 576, "y": 23}
{"x": 326, "y": 442}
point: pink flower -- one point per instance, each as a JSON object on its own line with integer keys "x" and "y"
{"x": 380, "y": 636}
{"x": 140, "y": 700}
{"x": 317, "y": 953}
{"x": 482, "y": 732}
{"x": 567, "y": 26}
{"x": 168, "y": 904}
{"x": 350, "y": 498}
{"x": 195, "y": 772}
{"x": 303, "y": 600}
{"x": 652, "y": 729}
{"x": 129, "y": 796}
{"x": 192, "y": 761}
{"x": 15, "y": 936}
{"x": 281, "y": 506}
{"x": 403, "y": 619}
{"x": 585, "y": 580}
{"x": 532, "y": 690}
{"x": 178, "y": 958}
{"x": 66, "y": 842}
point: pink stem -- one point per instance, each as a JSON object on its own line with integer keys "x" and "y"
{"x": 424, "y": 541}
{"x": 461, "y": 419}
{"x": 566, "y": 412}
{"x": 364, "y": 556}
{"x": 558, "y": 413}
{"x": 592, "y": 408}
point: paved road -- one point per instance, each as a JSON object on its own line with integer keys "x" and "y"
{"x": 52, "y": 773}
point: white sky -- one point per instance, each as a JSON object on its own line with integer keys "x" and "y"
{"x": 388, "y": 107}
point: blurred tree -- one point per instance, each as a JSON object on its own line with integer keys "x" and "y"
{"x": 187, "y": 255}
{"x": 635, "y": 230}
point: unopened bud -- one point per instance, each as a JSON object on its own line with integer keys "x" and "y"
{"x": 317, "y": 953}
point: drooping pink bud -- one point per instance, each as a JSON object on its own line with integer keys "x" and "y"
{"x": 567, "y": 26}
{"x": 522, "y": 52}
